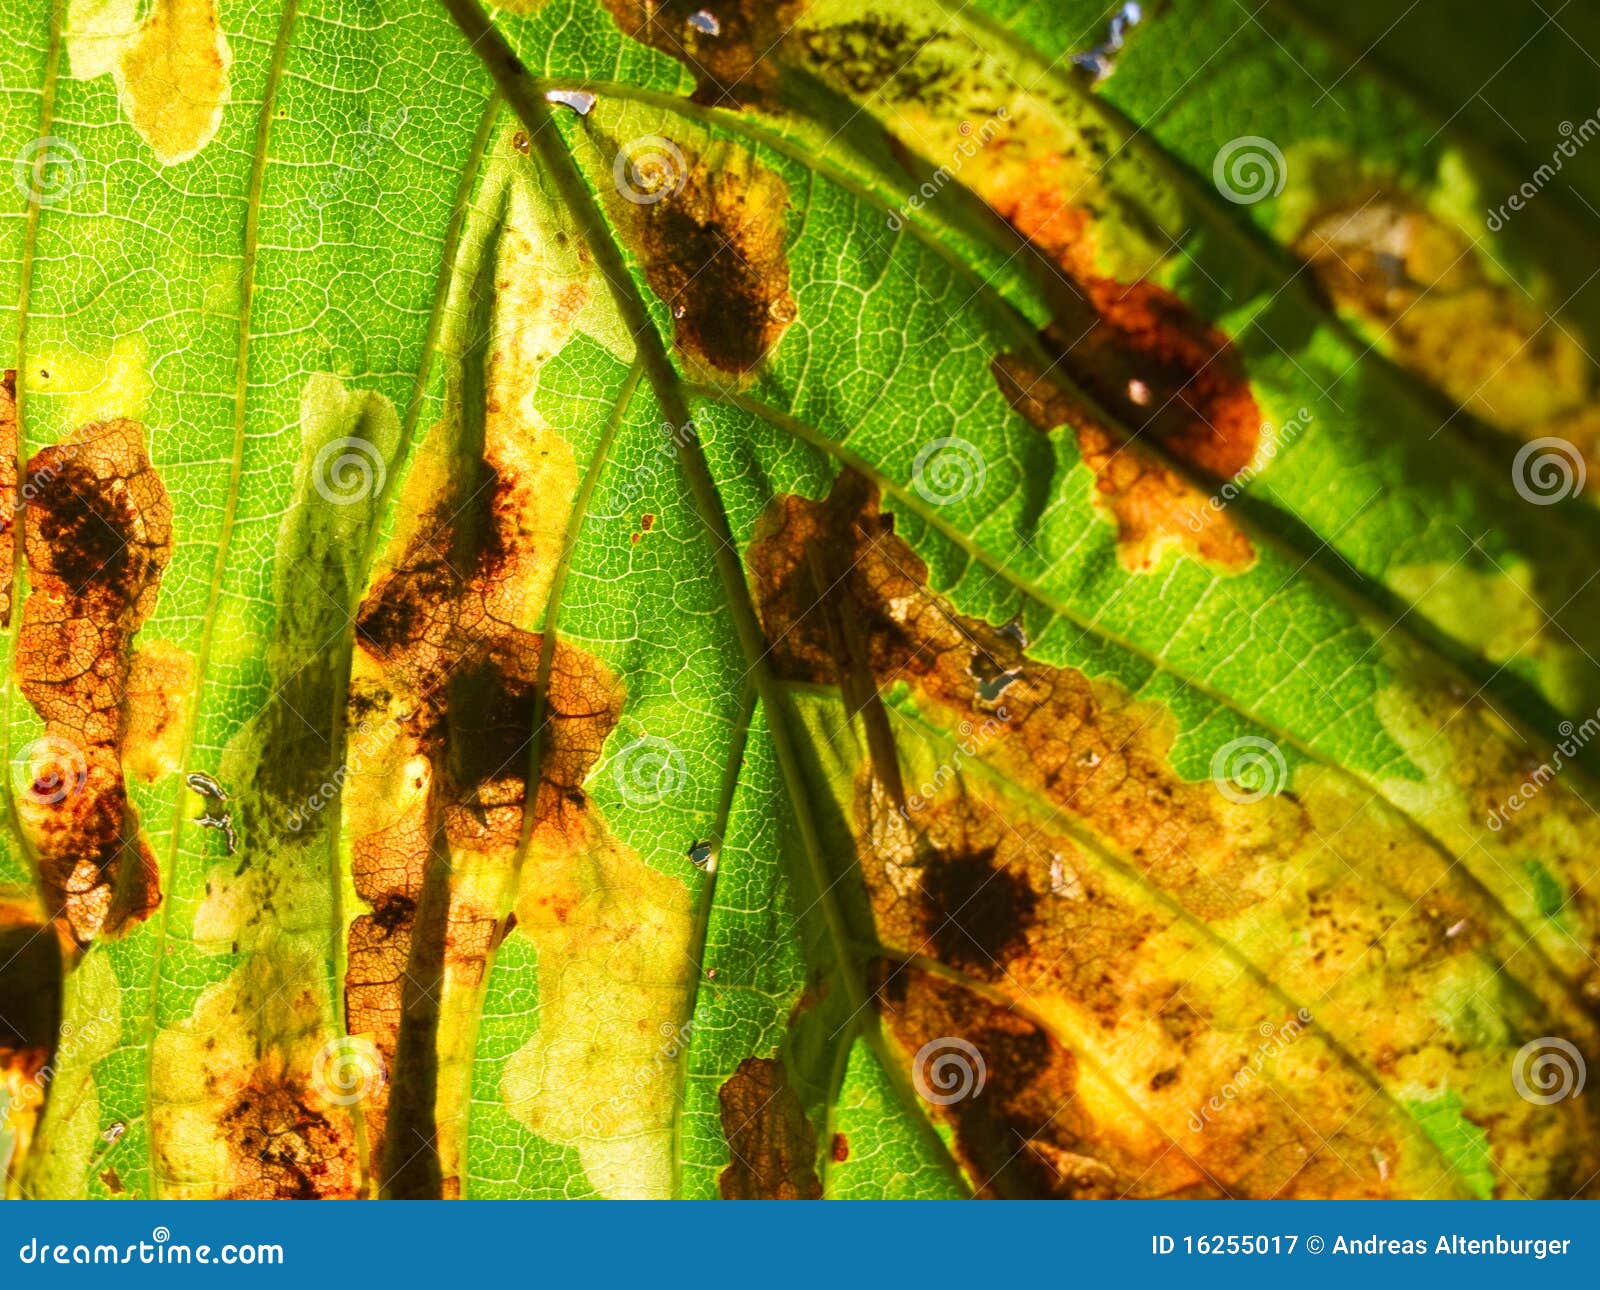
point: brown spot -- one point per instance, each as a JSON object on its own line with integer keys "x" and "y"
{"x": 97, "y": 535}
{"x": 31, "y": 969}
{"x": 773, "y": 1146}
{"x": 979, "y": 913}
{"x": 1026, "y": 1121}
{"x": 30, "y": 989}
{"x": 1048, "y": 167}
{"x": 646, "y": 521}
{"x": 281, "y": 1147}
{"x": 1167, "y": 372}
{"x": 519, "y": 141}
{"x": 1090, "y": 749}
{"x": 112, "y": 1181}
{"x": 714, "y": 251}
{"x": 1107, "y": 896}
{"x": 729, "y": 45}
{"x": 841, "y": 1148}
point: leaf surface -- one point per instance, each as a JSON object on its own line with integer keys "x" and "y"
{"x": 834, "y": 599}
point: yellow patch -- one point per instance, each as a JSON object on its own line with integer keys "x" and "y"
{"x": 85, "y": 388}
{"x": 171, "y": 68}
{"x": 615, "y": 975}
{"x": 245, "y": 1104}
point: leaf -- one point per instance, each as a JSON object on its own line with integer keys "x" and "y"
{"x": 819, "y": 599}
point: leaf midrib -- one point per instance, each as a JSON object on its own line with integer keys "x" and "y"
{"x": 30, "y": 240}
{"x": 521, "y": 92}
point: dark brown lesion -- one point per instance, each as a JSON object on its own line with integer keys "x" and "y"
{"x": 714, "y": 250}
{"x": 437, "y": 645}
{"x": 282, "y": 1146}
{"x": 978, "y": 913}
{"x": 729, "y": 45}
{"x": 31, "y": 968}
{"x": 97, "y": 534}
{"x": 1154, "y": 391}
{"x": 1093, "y": 750}
{"x": 1130, "y": 368}
{"x": 1020, "y": 1130}
{"x": 772, "y": 1145}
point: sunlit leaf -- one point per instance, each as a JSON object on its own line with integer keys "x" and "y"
{"x": 807, "y": 599}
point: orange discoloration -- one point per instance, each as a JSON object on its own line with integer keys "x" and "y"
{"x": 161, "y": 682}
{"x": 1025, "y": 1133}
{"x": 773, "y": 1145}
{"x": 714, "y": 250}
{"x": 1066, "y": 866}
{"x": 1099, "y": 226}
{"x": 437, "y": 639}
{"x": 1152, "y": 504}
{"x": 1143, "y": 354}
{"x": 97, "y": 537}
{"x": 1097, "y": 753}
{"x": 282, "y": 1145}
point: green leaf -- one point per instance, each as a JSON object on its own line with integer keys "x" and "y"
{"x": 898, "y": 599}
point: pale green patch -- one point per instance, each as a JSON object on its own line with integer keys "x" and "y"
{"x": 1464, "y": 1143}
